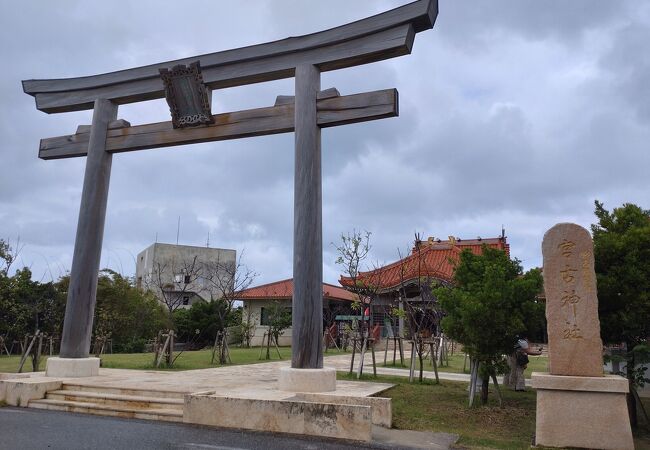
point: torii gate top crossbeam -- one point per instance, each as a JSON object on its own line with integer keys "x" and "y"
{"x": 375, "y": 38}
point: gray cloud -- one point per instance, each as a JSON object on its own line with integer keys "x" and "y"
{"x": 514, "y": 113}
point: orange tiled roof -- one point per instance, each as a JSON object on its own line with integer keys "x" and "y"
{"x": 284, "y": 290}
{"x": 434, "y": 259}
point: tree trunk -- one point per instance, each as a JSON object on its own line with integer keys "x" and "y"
{"x": 474, "y": 366}
{"x": 631, "y": 401}
{"x": 484, "y": 390}
{"x": 268, "y": 345}
{"x": 420, "y": 353}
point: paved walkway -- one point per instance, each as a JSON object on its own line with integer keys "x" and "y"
{"x": 342, "y": 363}
{"x": 255, "y": 381}
{"x": 258, "y": 381}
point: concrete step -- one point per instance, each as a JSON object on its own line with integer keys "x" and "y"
{"x": 121, "y": 391}
{"x": 107, "y": 399}
{"x": 164, "y": 414}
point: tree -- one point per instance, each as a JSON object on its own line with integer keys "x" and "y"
{"x": 200, "y": 324}
{"x": 247, "y": 327}
{"x": 8, "y": 255}
{"x": 126, "y": 314}
{"x": 353, "y": 251}
{"x": 487, "y": 307}
{"x": 27, "y": 306}
{"x": 227, "y": 278}
{"x": 174, "y": 280}
{"x": 279, "y": 319}
{"x": 622, "y": 264}
{"x": 419, "y": 307}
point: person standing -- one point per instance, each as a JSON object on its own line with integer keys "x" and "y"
{"x": 518, "y": 361}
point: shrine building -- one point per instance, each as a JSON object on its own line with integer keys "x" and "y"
{"x": 431, "y": 261}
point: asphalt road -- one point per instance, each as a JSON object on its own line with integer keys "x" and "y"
{"x": 28, "y": 429}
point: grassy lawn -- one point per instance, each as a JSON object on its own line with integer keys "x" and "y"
{"x": 536, "y": 364}
{"x": 443, "y": 408}
{"x": 186, "y": 361}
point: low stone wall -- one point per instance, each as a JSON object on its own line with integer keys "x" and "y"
{"x": 18, "y": 392}
{"x": 9, "y": 376}
{"x": 381, "y": 409}
{"x": 281, "y": 416}
{"x": 284, "y": 339}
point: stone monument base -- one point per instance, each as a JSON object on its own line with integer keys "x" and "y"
{"x": 307, "y": 380}
{"x": 588, "y": 412}
{"x": 72, "y": 367}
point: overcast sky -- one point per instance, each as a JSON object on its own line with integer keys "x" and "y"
{"x": 513, "y": 112}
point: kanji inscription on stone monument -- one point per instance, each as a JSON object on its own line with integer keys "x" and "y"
{"x": 575, "y": 347}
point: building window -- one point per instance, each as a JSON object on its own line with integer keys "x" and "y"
{"x": 265, "y": 318}
{"x": 186, "y": 300}
{"x": 187, "y": 279}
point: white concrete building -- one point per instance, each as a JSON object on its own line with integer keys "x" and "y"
{"x": 181, "y": 275}
{"x": 257, "y": 300}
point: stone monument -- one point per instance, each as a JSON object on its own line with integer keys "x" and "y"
{"x": 577, "y": 405}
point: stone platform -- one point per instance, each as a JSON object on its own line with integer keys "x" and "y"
{"x": 584, "y": 412}
{"x": 244, "y": 397}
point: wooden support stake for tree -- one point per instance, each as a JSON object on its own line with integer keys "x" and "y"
{"x": 214, "y": 347}
{"x": 163, "y": 350}
{"x": 26, "y": 353}
{"x": 36, "y": 356}
{"x": 635, "y": 393}
{"x": 412, "y": 363}
{"x": 496, "y": 385}
{"x": 374, "y": 363}
{"x": 277, "y": 346}
{"x": 156, "y": 348}
{"x": 2, "y": 340}
{"x": 362, "y": 358}
{"x": 226, "y": 349}
{"x": 386, "y": 351}
{"x": 170, "y": 354}
{"x": 262, "y": 346}
{"x": 433, "y": 362}
{"x": 354, "y": 350}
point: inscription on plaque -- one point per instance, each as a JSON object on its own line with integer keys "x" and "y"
{"x": 575, "y": 347}
{"x": 188, "y": 98}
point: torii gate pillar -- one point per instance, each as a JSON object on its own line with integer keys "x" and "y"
{"x": 307, "y": 308}
{"x": 307, "y": 373}
{"x": 73, "y": 360}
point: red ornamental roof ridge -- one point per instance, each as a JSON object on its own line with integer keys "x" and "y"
{"x": 283, "y": 289}
{"x": 434, "y": 259}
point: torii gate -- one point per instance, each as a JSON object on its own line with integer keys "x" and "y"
{"x": 186, "y": 84}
